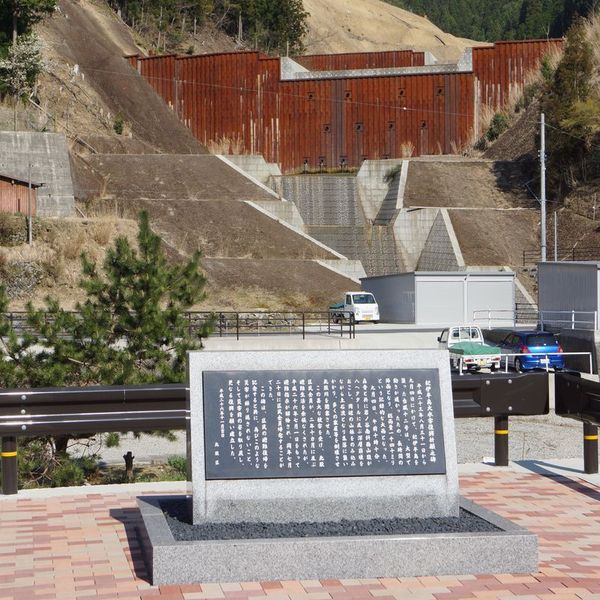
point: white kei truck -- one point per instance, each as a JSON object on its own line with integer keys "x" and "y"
{"x": 468, "y": 350}
{"x": 357, "y": 307}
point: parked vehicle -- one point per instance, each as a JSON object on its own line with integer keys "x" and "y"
{"x": 545, "y": 347}
{"x": 468, "y": 350}
{"x": 357, "y": 307}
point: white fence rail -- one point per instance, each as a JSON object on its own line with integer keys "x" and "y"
{"x": 569, "y": 319}
{"x": 564, "y": 319}
{"x": 504, "y": 359}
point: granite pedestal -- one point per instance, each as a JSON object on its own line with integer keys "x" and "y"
{"x": 512, "y": 549}
{"x": 323, "y": 436}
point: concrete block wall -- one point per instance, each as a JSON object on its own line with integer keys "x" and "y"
{"x": 374, "y": 247}
{"x": 49, "y": 156}
{"x": 323, "y": 199}
{"x": 438, "y": 253}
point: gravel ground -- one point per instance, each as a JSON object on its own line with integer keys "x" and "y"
{"x": 177, "y": 512}
{"x": 530, "y": 438}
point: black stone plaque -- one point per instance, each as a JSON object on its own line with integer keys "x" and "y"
{"x": 269, "y": 424}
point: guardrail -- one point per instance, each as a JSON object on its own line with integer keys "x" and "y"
{"x": 230, "y": 323}
{"x": 569, "y": 319}
{"x": 562, "y": 319}
{"x": 504, "y": 358}
{"x": 55, "y": 411}
{"x": 563, "y": 254}
{"x": 577, "y": 398}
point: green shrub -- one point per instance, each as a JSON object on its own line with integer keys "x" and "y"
{"x": 178, "y": 464}
{"x": 498, "y": 126}
{"x": 119, "y": 125}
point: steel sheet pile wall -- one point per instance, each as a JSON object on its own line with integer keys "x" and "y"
{"x": 159, "y": 71}
{"x": 238, "y": 102}
{"x": 14, "y": 197}
{"x": 503, "y": 68}
{"x": 362, "y": 60}
{"x": 344, "y": 121}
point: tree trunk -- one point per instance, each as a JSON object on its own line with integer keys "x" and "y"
{"x": 14, "y": 28}
{"x": 61, "y": 443}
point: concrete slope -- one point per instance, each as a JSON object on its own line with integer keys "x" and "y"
{"x": 245, "y": 282}
{"x": 493, "y": 237}
{"x": 173, "y": 177}
{"x": 466, "y": 183}
{"x": 225, "y": 229}
{"x": 79, "y": 34}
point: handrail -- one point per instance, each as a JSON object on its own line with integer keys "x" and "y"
{"x": 254, "y": 322}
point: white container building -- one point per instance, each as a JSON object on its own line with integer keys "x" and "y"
{"x": 445, "y": 298}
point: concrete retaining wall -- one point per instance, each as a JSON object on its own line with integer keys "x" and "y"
{"x": 372, "y": 187}
{"x": 49, "y": 158}
{"x": 412, "y": 228}
{"x": 256, "y": 166}
{"x": 284, "y": 211}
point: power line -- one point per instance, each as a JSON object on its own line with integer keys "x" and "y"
{"x": 316, "y": 98}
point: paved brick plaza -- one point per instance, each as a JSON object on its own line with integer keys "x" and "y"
{"x": 83, "y": 546}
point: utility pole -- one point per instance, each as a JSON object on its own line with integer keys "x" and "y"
{"x": 29, "y": 224}
{"x": 543, "y": 183}
{"x": 555, "y": 236}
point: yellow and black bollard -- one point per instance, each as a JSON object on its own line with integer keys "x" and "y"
{"x": 9, "y": 465}
{"x": 590, "y": 448}
{"x": 501, "y": 441}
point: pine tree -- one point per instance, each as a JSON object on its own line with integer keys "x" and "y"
{"x": 132, "y": 328}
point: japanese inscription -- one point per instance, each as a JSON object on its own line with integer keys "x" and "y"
{"x": 268, "y": 424}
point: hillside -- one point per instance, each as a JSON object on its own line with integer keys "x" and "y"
{"x": 371, "y": 26}
{"x": 491, "y": 20}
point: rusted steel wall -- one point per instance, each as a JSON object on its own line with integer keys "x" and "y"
{"x": 159, "y": 71}
{"x": 362, "y": 60}
{"x": 344, "y": 121}
{"x": 503, "y": 69}
{"x": 14, "y": 197}
{"x": 238, "y": 102}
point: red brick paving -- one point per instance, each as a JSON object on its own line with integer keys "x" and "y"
{"x": 80, "y": 547}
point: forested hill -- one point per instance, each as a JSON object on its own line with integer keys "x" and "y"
{"x": 493, "y": 20}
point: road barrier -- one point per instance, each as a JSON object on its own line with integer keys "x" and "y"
{"x": 56, "y": 411}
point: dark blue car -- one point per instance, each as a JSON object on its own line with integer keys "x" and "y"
{"x": 543, "y": 345}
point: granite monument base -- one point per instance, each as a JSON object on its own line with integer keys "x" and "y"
{"x": 510, "y": 549}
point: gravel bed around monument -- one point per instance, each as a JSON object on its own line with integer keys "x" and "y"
{"x": 177, "y": 513}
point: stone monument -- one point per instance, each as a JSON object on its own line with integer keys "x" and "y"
{"x": 360, "y": 440}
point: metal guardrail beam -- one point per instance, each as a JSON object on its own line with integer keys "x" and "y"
{"x": 500, "y": 394}
{"x": 579, "y": 399}
{"x": 56, "y": 411}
